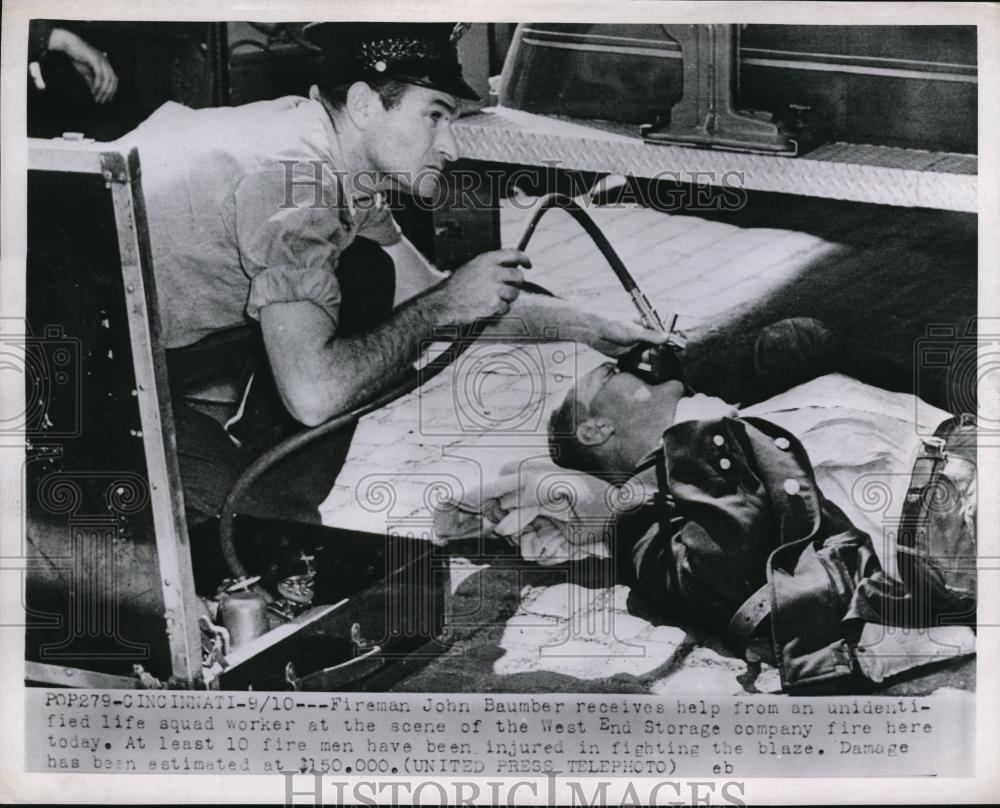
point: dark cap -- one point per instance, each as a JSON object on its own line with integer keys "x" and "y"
{"x": 421, "y": 53}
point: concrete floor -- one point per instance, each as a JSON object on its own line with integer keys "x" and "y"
{"x": 879, "y": 275}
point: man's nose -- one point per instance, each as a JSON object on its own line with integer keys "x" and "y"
{"x": 446, "y": 144}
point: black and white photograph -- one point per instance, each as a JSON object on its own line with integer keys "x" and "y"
{"x": 392, "y": 396}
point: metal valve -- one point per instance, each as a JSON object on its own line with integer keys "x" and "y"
{"x": 934, "y": 446}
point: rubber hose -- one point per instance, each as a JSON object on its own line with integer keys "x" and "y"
{"x": 572, "y": 207}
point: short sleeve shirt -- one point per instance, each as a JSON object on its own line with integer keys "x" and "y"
{"x": 247, "y": 206}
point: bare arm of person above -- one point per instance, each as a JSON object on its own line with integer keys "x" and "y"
{"x": 88, "y": 61}
{"x": 320, "y": 374}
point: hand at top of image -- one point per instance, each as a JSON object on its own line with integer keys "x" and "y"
{"x": 89, "y": 62}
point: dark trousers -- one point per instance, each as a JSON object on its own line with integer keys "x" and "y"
{"x": 210, "y": 462}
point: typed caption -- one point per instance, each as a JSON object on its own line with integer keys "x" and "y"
{"x": 498, "y": 735}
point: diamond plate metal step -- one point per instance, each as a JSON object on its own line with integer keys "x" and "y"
{"x": 880, "y": 175}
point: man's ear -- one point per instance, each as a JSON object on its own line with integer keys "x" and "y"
{"x": 359, "y": 106}
{"x": 594, "y": 431}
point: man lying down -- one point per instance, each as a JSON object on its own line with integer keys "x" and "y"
{"x": 777, "y": 526}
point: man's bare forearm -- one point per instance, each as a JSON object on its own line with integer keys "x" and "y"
{"x": 321, "y": 374}
{"x": 540, "y": 317}
{"x": 370, "y": 362}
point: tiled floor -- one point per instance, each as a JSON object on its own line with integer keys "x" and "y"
{"x": 878, "y": 275}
